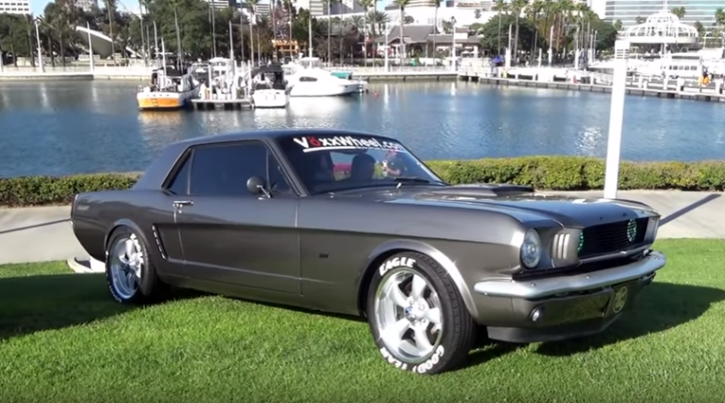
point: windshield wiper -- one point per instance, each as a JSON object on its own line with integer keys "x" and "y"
{"x": 410, "y": 179}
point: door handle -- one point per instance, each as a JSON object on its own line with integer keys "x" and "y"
{"x": 180, "y": 203}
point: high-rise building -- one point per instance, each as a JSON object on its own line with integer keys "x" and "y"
{"x": 86, "y": 5}
{"x": 14, "y": 7}
{"x": 629, "y": 11}
{"x": 317, "y": 7}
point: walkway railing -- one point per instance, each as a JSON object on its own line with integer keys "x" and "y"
{"x": 106, "y": 70}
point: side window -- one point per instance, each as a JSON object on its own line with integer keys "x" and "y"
{"x": 223, "y": 170}
{"x": 180, "y": 184}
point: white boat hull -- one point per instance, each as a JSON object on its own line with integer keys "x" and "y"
{"x": 316, "y": 89}
{"x": 270, "y": 99}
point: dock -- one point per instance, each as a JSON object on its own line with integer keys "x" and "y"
{"x": 634, "y": 86}
{"x": 226, "y": 104}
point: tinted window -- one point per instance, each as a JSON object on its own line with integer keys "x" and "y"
{"x": 179, "y": 185}
{"x": 223, "y": 170}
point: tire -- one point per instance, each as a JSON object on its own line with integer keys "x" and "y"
{"x": 124, "y": 245}
{"x": 448, "y": 342}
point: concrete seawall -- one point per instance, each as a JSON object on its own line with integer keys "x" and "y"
{"x": 101, "y": 74}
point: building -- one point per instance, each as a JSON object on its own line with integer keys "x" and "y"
{"x": 86, "y": 5}
{"x": 629, "y": 11}
{"x": 317, "y": 8}
{"x": 14, "y": 7}
{"x": 598, "y": 6}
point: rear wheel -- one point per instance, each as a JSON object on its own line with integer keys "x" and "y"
{"x": 130, "y": 275}
{"x": 417, "y": 316}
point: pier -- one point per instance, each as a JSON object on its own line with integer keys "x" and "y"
{"x": 578, "y": 80}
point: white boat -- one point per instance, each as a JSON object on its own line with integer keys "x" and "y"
{"x": 308, "y": 79}
{"x": 170, "y": 88}
{"x": 269, "y": 89}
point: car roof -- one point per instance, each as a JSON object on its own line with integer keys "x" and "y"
{"x": 156, "y": 172}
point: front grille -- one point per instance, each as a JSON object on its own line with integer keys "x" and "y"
{"x": 612, "y": 237}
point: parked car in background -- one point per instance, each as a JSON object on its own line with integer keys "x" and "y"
{"x": 354, "y": 223}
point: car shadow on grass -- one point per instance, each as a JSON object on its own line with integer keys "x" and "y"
{"x": 659, "y": 307}
{"x": 32, "y": 304}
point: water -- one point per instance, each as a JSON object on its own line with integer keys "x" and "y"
{"x": 80, "y": 127}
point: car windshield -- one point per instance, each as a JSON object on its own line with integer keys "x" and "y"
{"x": 334, "y": 163}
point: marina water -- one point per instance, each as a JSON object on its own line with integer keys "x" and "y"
{"x": 61, "y": 128}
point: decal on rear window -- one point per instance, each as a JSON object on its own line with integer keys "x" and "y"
{"x": 314, "y": 143}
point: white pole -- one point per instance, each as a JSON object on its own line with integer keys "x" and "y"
{"x": 551, "y": 44}
{"x": 508, "y": 51}
{"x": 453, "y": 41}
{"x": 90, "y": 48}
{"x": 616, "y": 117}
{"x": 539, "y": 58}
{"x": 40, "y": 50}
{"x": 2, "y": 62}
{"x": 309, "y": 34}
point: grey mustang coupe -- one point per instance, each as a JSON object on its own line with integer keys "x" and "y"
{"x": 353, "y": 223}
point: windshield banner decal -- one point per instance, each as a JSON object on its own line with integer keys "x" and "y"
{"x": 313, "y": 143}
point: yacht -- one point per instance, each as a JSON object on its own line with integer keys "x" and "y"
{"x": 269, "y": 89}
{"x": 170, "y": 88}
{"x": 308, "y": 79}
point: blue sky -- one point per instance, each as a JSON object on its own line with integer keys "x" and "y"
{"x": 37, "y": 6}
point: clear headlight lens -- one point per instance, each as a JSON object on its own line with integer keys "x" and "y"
{"x": 531, "y": 249}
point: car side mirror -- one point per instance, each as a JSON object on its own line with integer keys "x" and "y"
{"x": 255, "y": 184}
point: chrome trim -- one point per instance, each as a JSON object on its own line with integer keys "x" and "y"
{"x": 573, "y": 283}
{"x": 616, "y": 255}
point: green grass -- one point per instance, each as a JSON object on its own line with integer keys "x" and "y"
{"x": 62, "y": 339}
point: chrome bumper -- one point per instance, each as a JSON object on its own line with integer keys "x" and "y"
{"x": 534, "y": 289}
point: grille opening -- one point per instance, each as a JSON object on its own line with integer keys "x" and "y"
{"x": 612, "y": 237}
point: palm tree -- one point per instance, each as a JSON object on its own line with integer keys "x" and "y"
{"x": 111, "y": 9}
{"x": 500, "y": 7}
{"x": 252, "y": 22}
{"x": 366, "y": 4}
{"x": 401, "y": 5}
{"x": 517, "y": 6}
{"x": 678, "y": 11}
{"x": 435, "y": 31}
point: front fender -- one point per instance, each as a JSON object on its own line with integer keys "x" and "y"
{"x": 421, "y": 247}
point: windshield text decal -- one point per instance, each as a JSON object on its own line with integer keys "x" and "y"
{"x": 313, "y": 143}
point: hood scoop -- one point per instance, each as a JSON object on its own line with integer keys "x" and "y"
{"x": 482, "y": 190}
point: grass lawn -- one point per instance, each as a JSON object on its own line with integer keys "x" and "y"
{"x": 62, "y": 339}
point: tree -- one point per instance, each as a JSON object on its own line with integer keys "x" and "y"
{"x": 678, "y": 11}
{"x": 401, "y": 5}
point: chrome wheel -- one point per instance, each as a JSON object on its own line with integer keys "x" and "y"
{"x": 125, "y": 263}
{"x": 408, "y": 315}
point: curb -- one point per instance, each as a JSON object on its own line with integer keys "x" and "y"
{"x": 85, "y": 266}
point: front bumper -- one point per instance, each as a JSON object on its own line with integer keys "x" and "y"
{"x": 563, "y": 307}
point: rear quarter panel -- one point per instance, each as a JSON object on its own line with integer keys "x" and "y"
{"x": 94, "y": 215}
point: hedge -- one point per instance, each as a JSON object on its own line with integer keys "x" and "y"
{"x": 541, "y": 172}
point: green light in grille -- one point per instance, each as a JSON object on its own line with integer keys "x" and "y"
{"x": 581, "y": 242}
{"x": 631, "y": 230}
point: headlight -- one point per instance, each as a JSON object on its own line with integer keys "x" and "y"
{"x": 531, "y": 249}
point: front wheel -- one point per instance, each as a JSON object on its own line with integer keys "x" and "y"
{"x": 417, "y": 316}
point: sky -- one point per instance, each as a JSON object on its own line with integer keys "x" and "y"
{"x": 37, "y": 6}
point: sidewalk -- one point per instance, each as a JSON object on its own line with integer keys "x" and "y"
{"x": 38, "y": 234}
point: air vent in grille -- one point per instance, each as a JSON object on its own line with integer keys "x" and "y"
{"x": 560, "y": 246}
{"x": 612, "y": 237}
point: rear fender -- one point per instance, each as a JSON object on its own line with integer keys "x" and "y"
{"x": 421, "y": 247}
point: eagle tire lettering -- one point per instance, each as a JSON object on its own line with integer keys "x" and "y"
{"x": 396, "y": 262}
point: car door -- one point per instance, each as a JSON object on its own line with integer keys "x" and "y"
{"x": 231, "y": 235}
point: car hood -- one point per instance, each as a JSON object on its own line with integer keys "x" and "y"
{"x": 518, "y": 201}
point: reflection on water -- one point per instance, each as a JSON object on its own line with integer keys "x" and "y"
{"x": 68, "y": 127}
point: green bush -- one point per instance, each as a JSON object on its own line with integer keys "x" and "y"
{"x": 540, "y": 172}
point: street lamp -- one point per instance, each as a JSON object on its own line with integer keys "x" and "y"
{"x": 387, "y": 46}
{"x": 453, "y": 43}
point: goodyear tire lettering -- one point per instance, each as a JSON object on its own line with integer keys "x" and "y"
{"x": 389, "y": 357}
{"x": 430, "y": 362}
